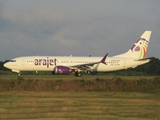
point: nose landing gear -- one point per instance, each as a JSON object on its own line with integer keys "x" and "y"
{"x": 17, "y": 71}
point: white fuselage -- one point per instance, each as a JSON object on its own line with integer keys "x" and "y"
{"x": 48, "y": 63}
{"x": 134, "y": 57}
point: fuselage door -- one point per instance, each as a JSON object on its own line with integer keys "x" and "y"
{"x": 124, "y": 63}
{"x": 23, "y": 62}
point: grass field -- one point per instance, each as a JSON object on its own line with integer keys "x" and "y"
{"x": 72, "y": 77}
{"x": 79, "y": 98}
{"x": 73, "y": 105}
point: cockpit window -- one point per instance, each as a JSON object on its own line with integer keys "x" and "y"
{"x": 11, "y": 60}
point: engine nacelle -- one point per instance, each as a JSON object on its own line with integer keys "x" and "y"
{"x": 61, "y": 70}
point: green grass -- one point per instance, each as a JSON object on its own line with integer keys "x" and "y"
{"x": 86, "y": 83}
{"x": 79, "y": 105}
{"x": 72, "y": 77}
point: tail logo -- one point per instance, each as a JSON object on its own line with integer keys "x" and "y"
{"x": 140, "y": 47}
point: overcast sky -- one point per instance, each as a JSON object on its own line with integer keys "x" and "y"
{"x": 76, "y": 27}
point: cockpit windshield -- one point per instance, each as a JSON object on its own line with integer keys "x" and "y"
{"x": 11, "y": 61}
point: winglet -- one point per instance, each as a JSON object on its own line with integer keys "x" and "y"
{"x": 104, "y": 59}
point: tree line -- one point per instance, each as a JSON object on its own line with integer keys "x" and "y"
{"x": 150, "y": 69}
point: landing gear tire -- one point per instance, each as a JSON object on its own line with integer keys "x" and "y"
{"x": 19, "y": 74}
{"x": 78, "y": 74}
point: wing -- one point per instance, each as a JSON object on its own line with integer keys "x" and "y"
{"x": 88, "y": 65}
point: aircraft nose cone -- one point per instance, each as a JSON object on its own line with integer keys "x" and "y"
{"x": 6, "y": 65}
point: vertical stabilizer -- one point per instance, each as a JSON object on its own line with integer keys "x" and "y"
{"x": 139, "y": 49}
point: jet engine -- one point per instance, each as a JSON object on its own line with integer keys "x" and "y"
{"x": 61, "y": 70}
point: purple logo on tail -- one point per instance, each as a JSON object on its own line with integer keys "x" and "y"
{"x": 140, "y": 47}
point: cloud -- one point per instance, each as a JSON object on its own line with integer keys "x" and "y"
{"x": 74, "y": 27}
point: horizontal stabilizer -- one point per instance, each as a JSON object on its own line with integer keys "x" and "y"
{"x": 145, "y": 59}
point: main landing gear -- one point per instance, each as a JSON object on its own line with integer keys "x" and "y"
{"x": 77, "y": 74}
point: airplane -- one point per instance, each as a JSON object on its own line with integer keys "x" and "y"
{"x": 64, "y": 65}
